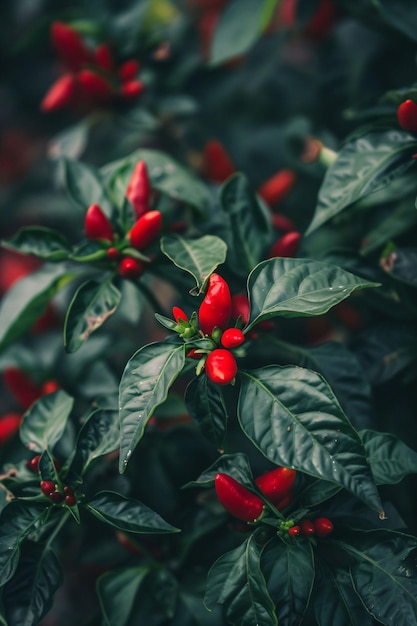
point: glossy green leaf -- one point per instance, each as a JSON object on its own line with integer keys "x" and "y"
{"x": 336, "y": 602}
{"x": 25, "y": 302}
{"x": 164, "y": 588}
{"x": 236, "y": 465}
{"x": 145, "y": 384}
{"x": 248, "y": 225}
{"x": 400, "y": 15}
{"x": 44, "y": 423}
{"x": 17, "y": 520}
{"x": 117, "y": 591}
{"x": 127, "y": 514}
{"x": 29, "y": 595}
{"x": 298, "y": 287}
{"x": 385, "y": 575}
{"x": 390, "y": 458}
{"x": 206, "y": 406}
{"x": 401, "y": 218}
{"x": 236, "y": 581}
{"x": 199, "y": 257}
{"x": 364, "y": 165}
{"x": 46, "y": 467}
{"x": 293, "y": 417}
{"x": 240, "y": 25}
{"x": 165, "y": 174}
{"x": 44, "y": 243}
{"x": 84, "y": 185}
{"x": 99, "y": 435}
{"x": 289, "y": 572}
{"x": 316, "y": 492}
{"x": 93, "y": 303}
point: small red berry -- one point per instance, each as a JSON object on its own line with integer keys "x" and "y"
{"x": 48, "y": 487}
{"x": 221, "y": 367}
{"x": 56, "y": 497}
{"x": 294, "y": 531}
{"x": 49, "y": 386}
{"x": 307, "y": 527}
{"x": 232, "y": 338}
{"x": 129, "y": 70}
{"x": 33, "y": 464}
{"x": 130, "y": 268}
{"x": 407, "y": 116}
{"x": 323, "y": 526}
{"x": 68, "y": 491}
{"x": 132, "y": 89}
{"x": 70, "y": 500}
{"x": 113, "y": 254}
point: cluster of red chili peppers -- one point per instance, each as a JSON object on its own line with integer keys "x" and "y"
{"x": 91, "y": 76}
{"x": 58, "y": 494}
{"x": 126, "y": 249}
{"x": 276, "y": 486}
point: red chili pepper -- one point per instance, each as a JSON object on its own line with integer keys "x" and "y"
{"x": 56, "y": 497}
{"x": 146, "y": 230}
{"x": 132, "y": 89}
{"x": 48, "y": 487}
{"x": 95, "y": 87}
{"x": 232, "y": 338}
{"x": 216, "y": 308}
{"x": 193, "y": 354}
{"x": 139, "y": 189}
{"x": 238, "y": 500}
{"x": 69, "y": 45}
{"x": 323, "y": 526}
{"x": 218, "y": 164}
{"x": 21, "y": 386}
{"x": 275, "y": 189}
{"x": 307, "y": 527}
{"x": 33, "y": 464}
{"x": 70, "y": 500}
{"x": 221, "y": 367}
{"x": 322, "y": 21}
{"x": 129, "y": 70}
{"x": 286, "y": 246}
{"x": 179, "y": 314}
{"x": 9, "y": 426}
{"x": 130, "y": 268}
{"x": 276, "y": 483}
{"x": 60, "y": 94}
{"x": 104, "y": 58}
{"x": 407, "y": 116}
{"x": 294, "y": 531}
{"x": 97, "y": 225}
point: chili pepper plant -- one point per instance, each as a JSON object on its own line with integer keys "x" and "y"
{"x": 208, "y": 313}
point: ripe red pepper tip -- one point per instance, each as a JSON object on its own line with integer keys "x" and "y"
{"x": 323, "y": 526}
{"x": 286, "y": 246}
{"x": 146, "y": 230}
{"x": 216, "y": 308}
{"x": 218, "y": 165}
{"x": 60, "y": 94}
{"x": 178, "y": 314}
{"x": 276, "y": 484}
{"x": 97, "y": 225}
{"x": 132, "y": 89}
{"x": 407, "y": 116}
{"x": 139, "y": 189}
{"x": 277, "y": 188}
{"x": 294, "y": 531}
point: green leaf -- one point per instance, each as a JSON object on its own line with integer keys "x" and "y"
{"x": 71, "y": 142}
{"x": 384, "y": 574}
{"x": 17, "y": 520}
{"x": 25, "y": 302}
{"x": 364, "y": 165}
{"x": 206, "y": 406}
{"x": 198, "y": 257}
{"x": 235, "y": 465}
{"x": 401, "y": 218}
{"x": 316, "y": 492}
{"x": 29, "y": 595}
{"x": 44, "y": 243}
{"x": 165, "y": 175}
{"x": 336, "y": 601}
{"x": 44, "y": 423}
{"x": 236, "y": 581}
{"x": 240, "y": 25}
{"x": 248, "y": 225}
{"x": 84, "y": 185}
{"x": 390, "y": 458}
{"x": 93, "y": 303}
{"x": 289, "y": 572}
{"x": 117, "y": 591}
{"x": 127, "y": 514}
{"x": 298, "y": 287}
{"x": 145, "y": 384}
{"x": 293, "y": 417}
{"x": 99, "y": 435}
